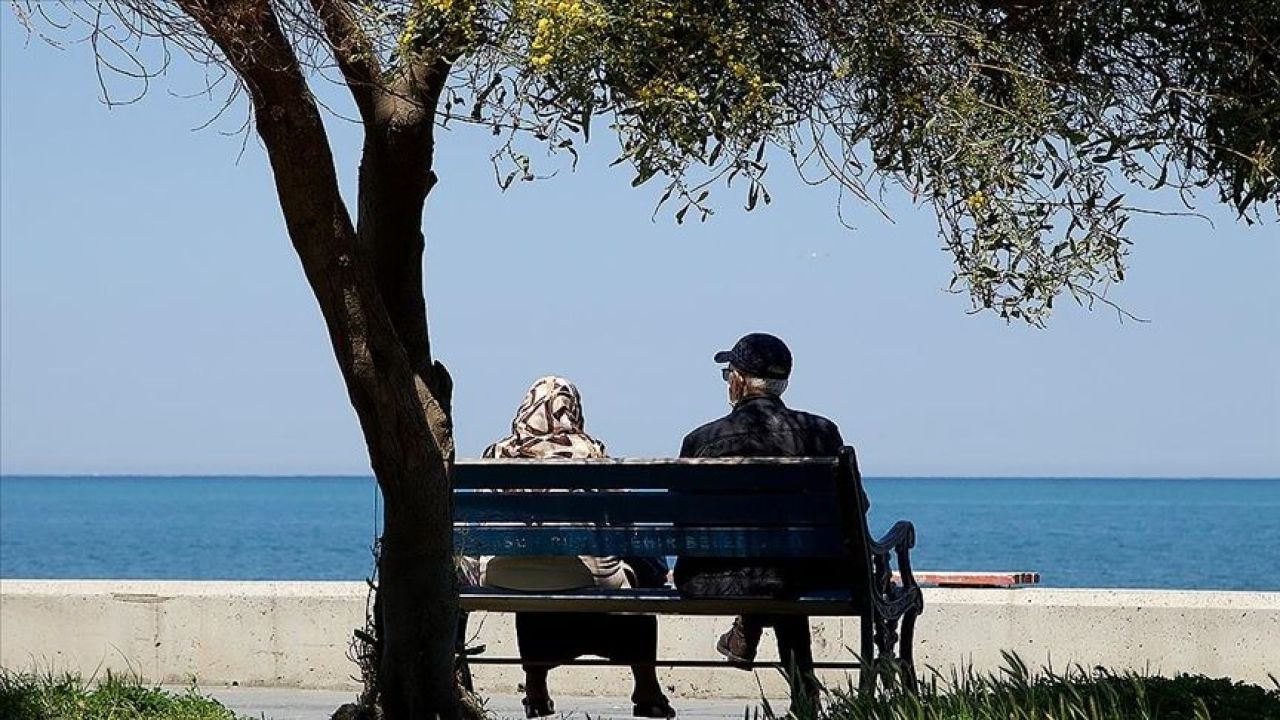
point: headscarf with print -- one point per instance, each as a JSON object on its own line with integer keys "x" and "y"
{"x": 548, "y": 424}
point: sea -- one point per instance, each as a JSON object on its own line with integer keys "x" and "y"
{"x": 1076, "y": 532}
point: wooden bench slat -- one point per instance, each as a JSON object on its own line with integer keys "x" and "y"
{"x": 717, "y": 475}
{"x": 828, "y": 604}
{"x": 651, "y": 541}
{"x": 624, "y": 508}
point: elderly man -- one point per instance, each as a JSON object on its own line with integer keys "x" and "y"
{"x": 760, "y": 425}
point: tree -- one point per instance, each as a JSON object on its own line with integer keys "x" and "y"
{"x": 1018, "y": 121}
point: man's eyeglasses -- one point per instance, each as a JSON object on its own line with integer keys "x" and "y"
{"x": 725, "y": 373}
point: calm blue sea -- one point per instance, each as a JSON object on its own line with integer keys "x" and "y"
{"x": 1151, "y": 533}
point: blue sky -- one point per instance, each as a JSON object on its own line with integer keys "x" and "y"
{"x": 153, "y": 317}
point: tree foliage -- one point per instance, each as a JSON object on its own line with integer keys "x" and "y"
{"x": 1021, "y": 123}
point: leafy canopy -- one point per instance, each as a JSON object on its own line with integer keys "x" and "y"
{"x": 1020, "y": 122}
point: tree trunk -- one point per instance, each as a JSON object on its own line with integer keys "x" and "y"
{"x": 417, "y": 579}
{"x": 368, "y": 287}
{"x": 417, "y": 600}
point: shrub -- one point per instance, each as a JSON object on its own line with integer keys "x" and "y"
{"x": 68, "y": 697}
{"x": 1016, "y": 693}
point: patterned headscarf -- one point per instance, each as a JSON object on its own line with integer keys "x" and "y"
{"x": 548, "y": 424}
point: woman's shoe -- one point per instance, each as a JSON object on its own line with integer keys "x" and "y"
{"x": 538, "y": 707}
{"x": 654, "y": 710}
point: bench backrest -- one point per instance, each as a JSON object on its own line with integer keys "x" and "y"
{"x": 759, "y": 507}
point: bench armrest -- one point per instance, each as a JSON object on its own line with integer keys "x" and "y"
{"x": 901, "y": 535}
{"x": 895, "y": 548}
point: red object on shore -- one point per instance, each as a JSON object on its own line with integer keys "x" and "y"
{"x": 976, "y": 579}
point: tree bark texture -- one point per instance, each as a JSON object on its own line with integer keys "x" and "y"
{"x": 368, "y": 283}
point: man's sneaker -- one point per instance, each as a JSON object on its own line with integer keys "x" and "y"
{"x": 739, "y": 645}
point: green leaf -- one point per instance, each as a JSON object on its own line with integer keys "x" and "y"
{"x": 715, "y": 153}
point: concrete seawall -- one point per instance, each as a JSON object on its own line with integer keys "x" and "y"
{"x": 295, "y": 634}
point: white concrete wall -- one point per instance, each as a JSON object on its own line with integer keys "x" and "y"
{"x": 296, "y": 633}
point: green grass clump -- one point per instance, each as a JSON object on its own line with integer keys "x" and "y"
{"x": 68, "y": 697}
{"x": 1016, "y": 693}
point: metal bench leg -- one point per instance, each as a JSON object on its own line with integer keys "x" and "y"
{"x": 906, "y": 652}
{"x": 886, "y": 634}
{"x": 867, "y": 659}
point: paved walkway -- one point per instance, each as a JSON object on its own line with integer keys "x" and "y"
{"x": 289, "y": 704}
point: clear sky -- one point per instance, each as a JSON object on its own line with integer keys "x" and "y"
{"x": 153, "y": 317}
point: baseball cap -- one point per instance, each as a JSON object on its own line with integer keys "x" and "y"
{"x": 759, "y": 355}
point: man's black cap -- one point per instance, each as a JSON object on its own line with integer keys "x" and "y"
{"x": 759, "y": 355}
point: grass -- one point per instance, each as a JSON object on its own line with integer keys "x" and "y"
{"x": 116, "y": 697}
{"x": 1016, "y": 693}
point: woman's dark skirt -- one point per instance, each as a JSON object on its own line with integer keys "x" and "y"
{"x": 550, "y": 639}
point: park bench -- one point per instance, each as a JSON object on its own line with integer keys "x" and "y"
{"x": 752, "y": 508}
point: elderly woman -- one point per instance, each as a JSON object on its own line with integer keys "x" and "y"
{"x": 549, "y": 424}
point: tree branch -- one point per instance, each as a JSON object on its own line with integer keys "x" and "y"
{"x": 382, "y": 384}
{"x": 353, "y": 52}
{"x": 395, "y": 179}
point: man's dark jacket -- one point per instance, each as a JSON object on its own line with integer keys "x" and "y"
{"x": 759, "y": 426}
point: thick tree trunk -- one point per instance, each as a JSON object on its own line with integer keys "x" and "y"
{"x": 368, "y": 287}
{"x": 417, "y": 600}
{"x": 417, "y": 582}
